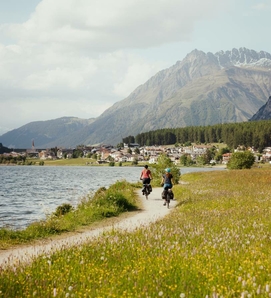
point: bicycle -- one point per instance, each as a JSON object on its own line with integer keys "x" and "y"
{"x": 167, "y": 195}
{"x": 146, "y": 190}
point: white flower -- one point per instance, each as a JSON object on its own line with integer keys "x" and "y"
{"x": 160, "y": 293}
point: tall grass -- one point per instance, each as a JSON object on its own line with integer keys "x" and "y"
{"x": 216, "y": 243}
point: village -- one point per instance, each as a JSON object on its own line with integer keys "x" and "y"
{"x": 134, "y": 153}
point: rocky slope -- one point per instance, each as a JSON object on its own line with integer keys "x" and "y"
{"x": 264, "y": 112}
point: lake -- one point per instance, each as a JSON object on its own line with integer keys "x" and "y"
{"x": 29, "y": 193}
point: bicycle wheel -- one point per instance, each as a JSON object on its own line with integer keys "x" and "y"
{"x": 147, "y": 192}
{"x": 168, "y": 200}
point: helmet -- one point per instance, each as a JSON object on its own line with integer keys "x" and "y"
{"x": 167, "y": 170}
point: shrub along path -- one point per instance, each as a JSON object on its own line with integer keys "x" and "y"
{"x": 152, "y": 210}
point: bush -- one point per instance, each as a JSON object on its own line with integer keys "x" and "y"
{"x": 63, "y": 209}
{"x": 241, "y": 160}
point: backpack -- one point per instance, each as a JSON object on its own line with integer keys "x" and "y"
{"x": 164, "y": 194}
{"x": 170, "y": 194}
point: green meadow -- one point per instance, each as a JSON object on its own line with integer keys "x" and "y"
{"x": 80, "y": 161}
{"x": 216, "y": 243}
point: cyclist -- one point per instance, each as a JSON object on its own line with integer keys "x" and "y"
{"x": 167, "y": 183}
{"x": 146, "y": 177}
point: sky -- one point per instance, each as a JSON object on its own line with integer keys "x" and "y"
{"x": 78, "y": 57}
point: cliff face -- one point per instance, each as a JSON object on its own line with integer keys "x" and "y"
{"x": 202, "y": 89}
{"x": 264, "y": 112}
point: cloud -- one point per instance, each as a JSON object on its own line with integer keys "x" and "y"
{"x": 107, "y": 25}
{"x": 261, "y": 6}
{"x": 78, "y": 57}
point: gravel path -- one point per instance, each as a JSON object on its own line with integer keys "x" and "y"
{"x": 152, "y": 210}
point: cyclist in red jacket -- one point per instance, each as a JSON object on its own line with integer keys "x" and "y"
{"x": 146, "y": 177}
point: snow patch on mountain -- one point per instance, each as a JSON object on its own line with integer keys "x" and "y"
{"x": 243, "y": 57}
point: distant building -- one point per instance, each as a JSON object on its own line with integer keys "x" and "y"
{"x": 131, "y": 145}
{"x": 32, "y": 152}
{"x": 226, "y": 157}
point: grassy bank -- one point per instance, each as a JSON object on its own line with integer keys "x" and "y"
{"x": 118, "y": 198}
{"x": 75, "y": 162}
{"x": 215, "y": 244}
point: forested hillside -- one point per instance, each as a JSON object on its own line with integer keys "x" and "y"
{"x": 255, "y": 133}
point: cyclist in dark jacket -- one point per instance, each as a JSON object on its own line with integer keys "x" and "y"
{"x": 167, "y": 183}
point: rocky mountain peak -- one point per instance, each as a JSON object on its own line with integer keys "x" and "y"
{"x": 241, "y": 56}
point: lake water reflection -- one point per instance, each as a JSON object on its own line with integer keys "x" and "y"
{"x": 28, "y": 193}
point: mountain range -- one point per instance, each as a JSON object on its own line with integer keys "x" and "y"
{"x": 202, "y": 89}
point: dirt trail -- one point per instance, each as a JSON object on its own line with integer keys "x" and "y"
{"x": 152, "y": 210}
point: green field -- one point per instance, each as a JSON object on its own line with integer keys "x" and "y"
{"x": 216, "y": 243}
{"x": 73, "y": 162}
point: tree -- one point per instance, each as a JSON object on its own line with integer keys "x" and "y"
{"x": 186, "y": 160}
{"x": 158, "y": 169}
{"x": 137, "y": 150}
{"x": 200, "y": 160}
{"x": 120, "y": 145}
{"x": 135, "y": 162}
{"x": 241, "y": 160}
{"x": 183, "y": 160}
{"x": 110, "y": 158}
{"x": 128, "y": 140}
{"x": 208, "y": 156}
{"x": 77, "y": 153}
{"x": 187, "y": 143}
